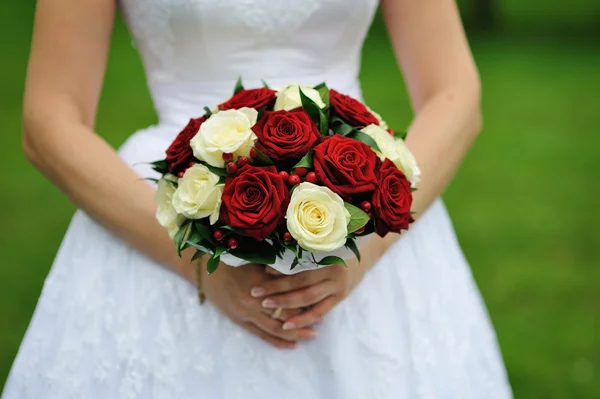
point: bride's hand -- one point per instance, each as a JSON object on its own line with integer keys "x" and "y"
{"x": 229, "y": 290}
{"x": 321, "y": 288}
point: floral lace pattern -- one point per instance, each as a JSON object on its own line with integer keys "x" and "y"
{"x": 110, "y": 323}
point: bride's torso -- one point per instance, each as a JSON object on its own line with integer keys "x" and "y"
{"x": 194, "y": 50}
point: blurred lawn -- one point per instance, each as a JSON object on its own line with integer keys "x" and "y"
{"x": 524, "y": 204}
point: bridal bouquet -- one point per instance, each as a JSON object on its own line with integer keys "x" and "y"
{"x": 284, "y": 178}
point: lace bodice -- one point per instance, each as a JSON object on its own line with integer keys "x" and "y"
{"x": 194, "y": 50}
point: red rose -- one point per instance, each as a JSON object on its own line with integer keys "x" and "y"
{"x": 252, "y": 98}
{"x": 284, "y": 135}
{"x": 179, "y": 153}
{"x": 350, "y": 110}
{"x": 346, "y": 166}
{"x": 254, "y": 200}
{"x": 392, "y": 200}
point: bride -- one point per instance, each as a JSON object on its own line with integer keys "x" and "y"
{"x": 118, "y": 316}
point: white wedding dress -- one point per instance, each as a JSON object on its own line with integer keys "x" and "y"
{"x": 110, "y": 323}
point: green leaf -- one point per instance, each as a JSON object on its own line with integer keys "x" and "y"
{"x": 255, "y": 252}
{"x": 358, "y": 217}
{"x": 238, "y": 86}
{"x": 263, "y": 158}
{"x": 265, "y": 85}
{"x": 208, "y": 112}
{"x": 311, "y": 108}
{"x": 413, "y": 189}
{"x": 204, "y": 232}
{"x": 400, "y": 135}
{"x": 323, "y": 92}
{"x": 181, "y": 236}
{"x": 323, "y": 124}
{"x": 236, "y": 231}
{"x": 351, "y": 244}
{"x": 152, "y": 179}
{"x": 161, "y": 166}
{"x": 197, "y": 255}
{"x": 365, "y": 138}
{"x": 222, "y": 180}
{"x": 344, "y": 129}
{"x": 306, "y": 161}
{"x": 332, "y": 260}
{"x": 213, "y": 264}
{"x": 200, "y": 247}
{"x": 294, "y": 264}
{"x": 217, "y": 171}
{"x": 220, "y": 251}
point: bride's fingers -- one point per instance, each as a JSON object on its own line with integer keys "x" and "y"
{"x": 289, "y": 283}
{"x": 280, "y": 343}
{"x": 272, "y": 272}
{"x": 312, "y": 316}
{"x": 300, "y": 298}
{"x": 285, "y": 315}
{"x": 274, "y": 327}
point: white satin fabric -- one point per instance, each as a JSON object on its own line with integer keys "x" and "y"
{"x": 110, "y": 323}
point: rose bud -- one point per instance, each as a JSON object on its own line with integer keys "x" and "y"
{"x": 232, "y": 243}
{"x": 365, "y": 206}
{"x": 231, "y": 168}
{"x": 243, "y": 161}
{"x": 227, "y": 156}
{"x": 218, "y": 234}
{"x": 284, "y": 175}
{"x": 311, "y": 177}
{"x": 294, "y": 180}
{"x": 301, "y": 171}
{"x": 360, "y": 231}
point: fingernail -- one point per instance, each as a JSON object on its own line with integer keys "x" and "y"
{"x": 269, "y": 304}
{"x": 257, "y": 291}
{"x": 288, "y": 326}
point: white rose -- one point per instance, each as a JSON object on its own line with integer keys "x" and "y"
{"x": 166, "y": 214}
{"x": 288, "y": 98}
{"x": 228, "y": 131}
{"x": 198, "y": 194}
{"x": 396, "y": 151}
{"x": 317, "y": 219}
{"x": 407, "y": 163}
{"x": 382, "y": 123}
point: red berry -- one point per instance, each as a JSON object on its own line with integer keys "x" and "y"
{"x": 180, "y": 174}
{"x": 231, "y": 168}
{"x": 253, "y": 153}
{"x": 370, "y": 215}
{"x": 232, "y": 243}
{"x": 311, "y": 177}
{"x": 294, "y": 179}
{"x": 218, "y": 234}
{"x": 391, "y": 132}
{"x": 284, "y": 175}
{"x": 365, "y": 206}
{"x": 360, "y": 231}
{"x": 243, "y": 161}
{"x": 287, "y": 236}
{"x": 301, "y": 171}
{"x": 192, "y": 164}
{"x": 227, "y": 156}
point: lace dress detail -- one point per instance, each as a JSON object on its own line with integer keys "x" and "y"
{"x": 110, "y": 323}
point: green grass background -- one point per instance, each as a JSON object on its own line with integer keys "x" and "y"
{"x": 525, "y": 203}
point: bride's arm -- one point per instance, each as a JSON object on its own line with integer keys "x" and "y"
{"x": 66, "y": 70}
{"x": 444, "y": 88}
{"x": 64, "y": 78}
